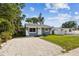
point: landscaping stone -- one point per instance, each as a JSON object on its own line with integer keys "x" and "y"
{"x": 74, "y": 52}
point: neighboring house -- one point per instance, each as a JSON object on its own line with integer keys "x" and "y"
{"x": 69, "y": 31}
{"x": 37, "y": 29}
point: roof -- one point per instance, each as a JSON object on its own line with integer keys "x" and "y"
{"x": 38, "y": 25}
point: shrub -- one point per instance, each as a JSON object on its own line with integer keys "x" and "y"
{"x": 20, "y": 33}
{"x": 5, "y": 36}
{"x": 0, "y": 42}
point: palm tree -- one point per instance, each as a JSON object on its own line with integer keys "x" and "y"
{"x": 40, "y": 19}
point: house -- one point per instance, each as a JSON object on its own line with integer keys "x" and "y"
{"x": 65, "y": 31}
{"x": 41, "y": 29}
{"x": 37, "y": 29}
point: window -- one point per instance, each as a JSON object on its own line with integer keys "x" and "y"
{"x": 46, "y": 29}
{"x": 73, "y": 29}
{"x": 61, "y": 29}
{"x": 32, "y": 29}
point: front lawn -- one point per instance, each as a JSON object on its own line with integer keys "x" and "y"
{"x": 67, "y": 42}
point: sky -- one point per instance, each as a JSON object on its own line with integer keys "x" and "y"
{"x": 54, "y": 13}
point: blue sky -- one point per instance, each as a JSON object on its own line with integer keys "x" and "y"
{"x": 54, "y": 13}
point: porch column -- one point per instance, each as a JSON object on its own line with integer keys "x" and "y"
{"x": 51, "y": 30}
{"x": 27, "y": 31}
{"x": 39, "y": 31}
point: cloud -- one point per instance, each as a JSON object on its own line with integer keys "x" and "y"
{"x": 34, "y": 16}
{"x": 53, "y": 11}
{"x": 57, "y": 6}
{"x": 61, "y": 16}
{"x": 76, "y": 13}
{"x": 64, "y": 15}
{"x": 61, "y": 6}
{"x": 59, "y": 19}
{"x": 48, "y": 6}
{"x": 76, "y": 17}
{"x": 32, "y": 9}
{"x": 53, "y": 7}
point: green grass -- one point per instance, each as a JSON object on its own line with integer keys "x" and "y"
{"x": 67, "y": 42}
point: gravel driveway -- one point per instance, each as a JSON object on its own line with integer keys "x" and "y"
{"x": 29, "y": 46}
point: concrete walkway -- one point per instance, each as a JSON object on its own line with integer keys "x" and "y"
{"x": 29, "y": 47}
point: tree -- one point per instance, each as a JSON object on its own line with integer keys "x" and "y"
{"x": 40, "y": 19}
{"x": 10, "y": 20}
{"x": 5, "y": 25}
{"x": 9, "y": 11}
{"x": 69, "y": 24}
{"x": 28, "y": 20}
{"x": 33, "y": 20}
{"x": 12, "y": 13}
{"x": 36, "y": 20}
{"x": 23, "y": 17}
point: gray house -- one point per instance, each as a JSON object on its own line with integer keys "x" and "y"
{"x": 37, "y": 29}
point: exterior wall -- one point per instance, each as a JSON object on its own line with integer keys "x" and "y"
{"x": 73, "y": 32}
{"x": 38, "y": 32}
{"x": 58, "y": 32}
{"x": 66, "y": 31}
{"x": 76, "y": 32}
{"x": 45, "y": 32}
{"x": 61, "y": 31}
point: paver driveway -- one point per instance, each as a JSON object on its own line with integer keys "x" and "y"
{"x": 29, "y": 46}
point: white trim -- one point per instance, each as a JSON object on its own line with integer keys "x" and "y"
{"x": 32, "y": 32}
